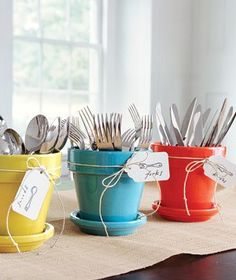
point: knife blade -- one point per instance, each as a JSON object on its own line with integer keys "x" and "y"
{"x": 175, "y": 124}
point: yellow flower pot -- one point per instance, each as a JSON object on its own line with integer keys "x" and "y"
{"x": 12, "y": 171}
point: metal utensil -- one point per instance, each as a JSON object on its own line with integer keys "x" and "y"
{"x": 51, "y": 137}
{"x": 63, "y": 135}
{"x": 75, "y": 134}
{"x": 128, "y": 139}
{"x": 226, "y": 129}
{"x": 87, "y": 119}
{"x": 161, "y": 125}
{"x": 14, "y": 140}
{"x": 115, "y": 130}
{"x": 217, "y": 125}
{"x": 224, "y": 125}
{"x": 136, "y": 119}
{"x": 102, "y": 133}
{"x": 3, "y": 125}
{"x": 36, "y": 133}
{"x": 4, "y": 147}
{"x": 146, "y": 133}
{"x": 175, "y": 124}
{"x": 207, "y": 130}
{"x": 205, "y": 116}
{"x": 197, "y": 128}
{"x": 188, "y": 122}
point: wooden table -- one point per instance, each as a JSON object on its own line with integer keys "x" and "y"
{"x": 221, "y": 266}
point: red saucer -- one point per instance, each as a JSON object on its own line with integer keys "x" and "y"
{"x": 180, "y": 215}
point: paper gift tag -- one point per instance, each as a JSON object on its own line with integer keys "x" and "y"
{"x": 220, "y": 170}
{"x": 31, "y": 193}
{"x": 148, "y": 166}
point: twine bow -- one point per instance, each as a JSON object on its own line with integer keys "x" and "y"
{"x": 52, "y": 179}
{"x": 191, "y": 167}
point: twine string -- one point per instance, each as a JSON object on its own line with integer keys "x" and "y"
{"x": 52, "y": 180}
{"x": 63, "y": 213}
{"x": 111, "y": 181}
{"x": 8, "y": 230}
{"x": 191, "y": 167}
{"x": 114, "y": 179}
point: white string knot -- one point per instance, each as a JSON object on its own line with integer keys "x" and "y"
{"x": 191, "y": 167}
{"x": 52, "y": 179}
{"x": 114, "y": 179}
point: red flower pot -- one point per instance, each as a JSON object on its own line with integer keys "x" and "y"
{"x": 190, "y": 199}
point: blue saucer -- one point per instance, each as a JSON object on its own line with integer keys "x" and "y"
{"x": 113, "y": 228}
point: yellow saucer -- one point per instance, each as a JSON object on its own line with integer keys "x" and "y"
{"x": 26, "y": 242}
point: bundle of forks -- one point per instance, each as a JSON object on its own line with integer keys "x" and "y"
{"x": 103, "y": 131}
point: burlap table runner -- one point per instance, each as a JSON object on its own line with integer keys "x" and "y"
{"x": 81, "y": 256}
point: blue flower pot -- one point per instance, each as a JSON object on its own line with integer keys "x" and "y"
{"x": 121, "y": 202}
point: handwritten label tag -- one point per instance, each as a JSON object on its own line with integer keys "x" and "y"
{"x": 31, "y": 193}
{"x": 148, "y": 166}
{"x": 220, "y": 170}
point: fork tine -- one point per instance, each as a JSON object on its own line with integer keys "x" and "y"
{"x": 130, "y": 136}
{"x": 89, "y": 114}
{"x": 132, "y": 112}
{"x": 108, "y": 130}
{"x": 77, "y": 130}
{"x": 104, "y": 128}
{"x": 87, "y": 121}
{"x": 129, "y": 133}
{"x": 100, "y": 134}
{"x": 124, "y": 135}
{"x": 95, "y": 129}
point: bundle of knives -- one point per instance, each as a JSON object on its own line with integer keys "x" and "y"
{"x": 197, "y": 128}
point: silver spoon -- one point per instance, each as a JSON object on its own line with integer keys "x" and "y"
{"x": 51, "y": 138}
{"x": 3, "y": 125}
{"x": 36, "y": 133}
{"x": 15, "y": 142}
{"x": 4, "y": 147}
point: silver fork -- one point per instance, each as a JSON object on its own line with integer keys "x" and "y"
{"x": 115, "y": 130}
{"x": 76, "y": 135}
{"x": 128, "y": 139}
{"x": 73, "y": 127}
{"x": 77, "y": 140}
{"x": 136, "y": 119}
{"x": 87, "y": 119}
{"x": 102, "y": 133}
{"x": 146, "y": 133}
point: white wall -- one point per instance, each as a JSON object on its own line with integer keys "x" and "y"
{"x": 194, "y": 54}
{"x": 148, "y": 54}
{"x": 214, "y": 57}
{"x": 171, "y": 53}
{"x": 128, "y": 56}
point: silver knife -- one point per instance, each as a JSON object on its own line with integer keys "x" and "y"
{"x": 197, "y": 133}
{"x": 175, "y": 124}
{"x": 162, "y": 123}
{"x": 224, "y": 125}
{"x": 226, "y": 129}
{"x": 218, "y": 124}
{"x": 188, "y": 121}
{"x": 205, "y": 116}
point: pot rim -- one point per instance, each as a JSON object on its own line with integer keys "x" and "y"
{"x": 171, "y": 147}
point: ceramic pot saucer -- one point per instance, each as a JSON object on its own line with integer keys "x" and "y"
{"x": 113, "y": 228}
{"x": 180, "y": 215}
{"x": 26, "y": 242}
